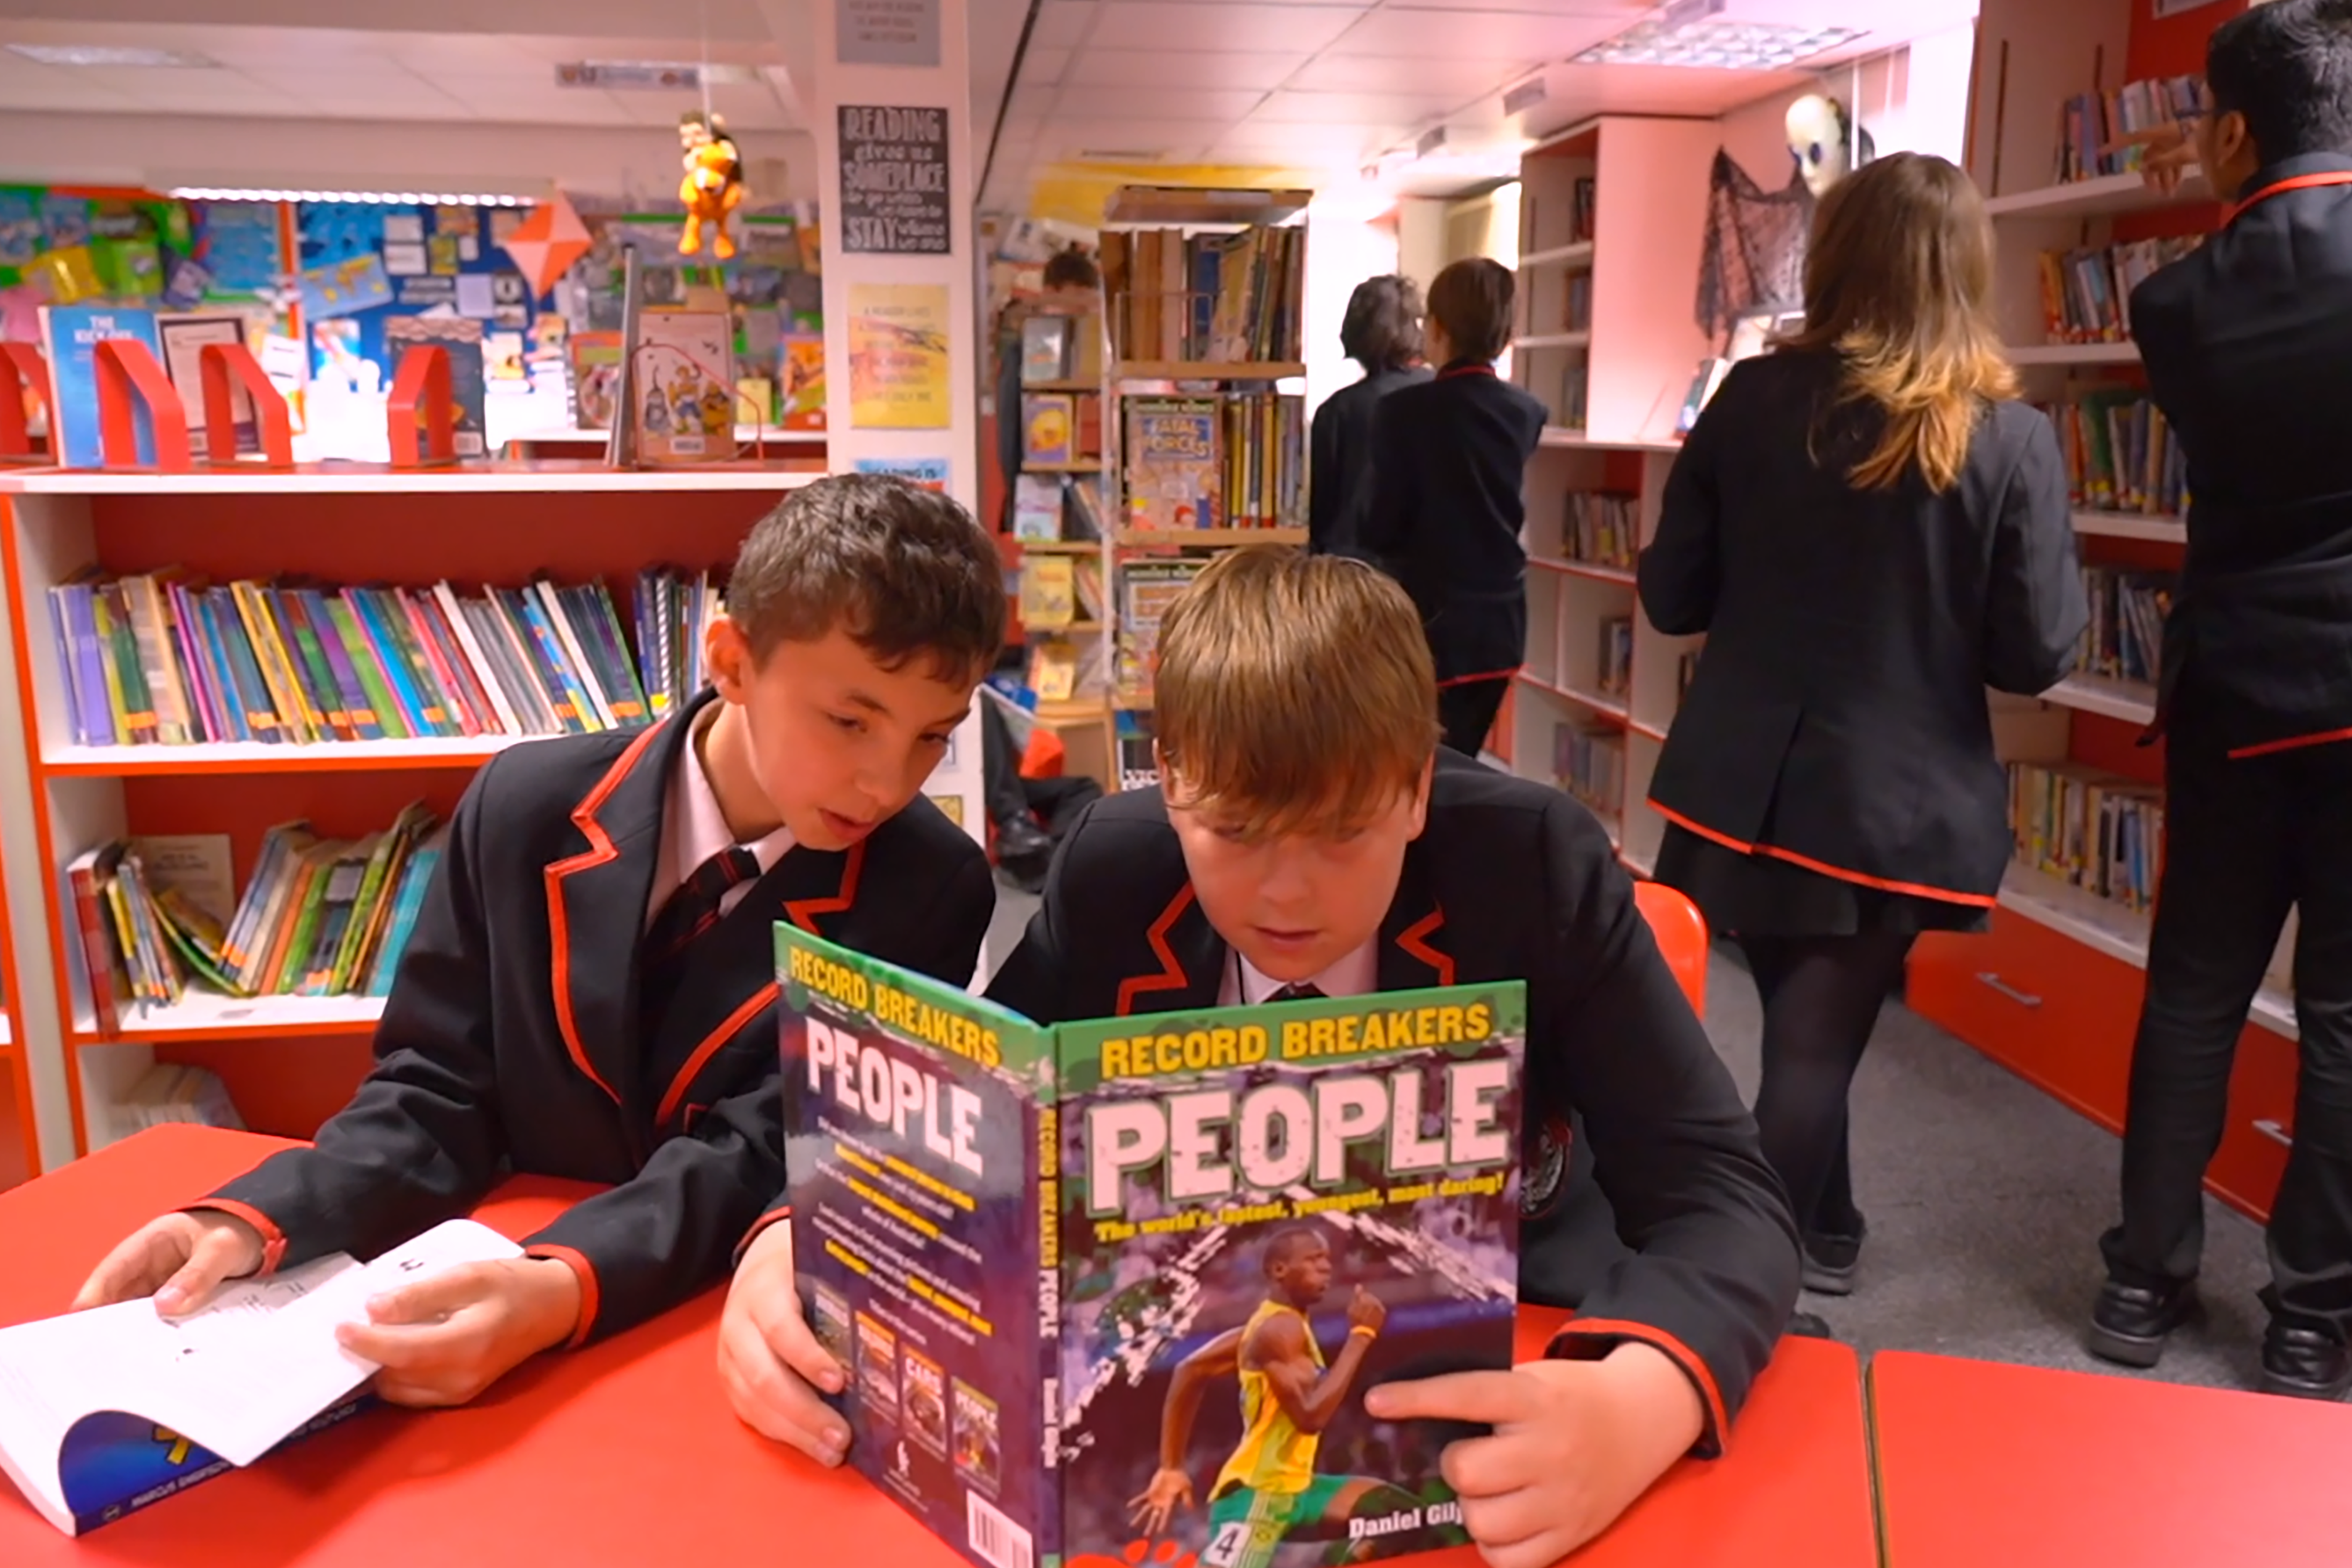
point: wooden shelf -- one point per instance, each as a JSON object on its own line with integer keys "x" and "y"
{"x": 1650, "y": 731}
{"x": 2073, "y": 353}
{"x": 1090, "y": 385}
{"x": 1585, "y": 569}
{"x": 2131, "y": 701}
{"x": 253, "y": 757}
{"x": 1055, "y": 546}
{"x": 541, "y": 475}
{"x": 209, "y": 1015}
{"x": 1073, "y": 629}
{"x": 2103, "y": 196}
{"x": 1555, "y": 340}
{"x": 1078, "y": 710}
{"x": 1077, "y": 466}
{"x": 1208, "y": 538}
{"x": 1567, "y": 437}
{"x": 2164, "y": 529}
{"x": 1577, "y": 254}
{"x": 1209, "y": 370}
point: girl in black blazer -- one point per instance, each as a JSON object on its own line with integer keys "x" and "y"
{"x": 1871, "y": 531}
{"x": 1381, "y": 332}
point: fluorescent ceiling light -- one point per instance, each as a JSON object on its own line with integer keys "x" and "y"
{"x": 651, "y": 76}
{"x": 108, "y": 55}
{"x": 1689, "y": 34}
{"x": 369, "y": 198}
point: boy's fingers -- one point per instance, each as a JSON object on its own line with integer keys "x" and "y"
{"x": 1492, "y": 1397}
{"x": 788, "y": 1338}
{"x": 124, "y": 1273}
{"x": 778, "y": 1406}
{"x": 215, "y": 1257}
{"x": 428, "y": 1299}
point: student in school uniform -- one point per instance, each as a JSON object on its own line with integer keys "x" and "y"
{"x": 1450, "y": 457}
{"x": 1312, "y": 837}
{"x": 1382, "y": 332}
{"x": 2248, "y": 347}
{"x": 589, "y": 991}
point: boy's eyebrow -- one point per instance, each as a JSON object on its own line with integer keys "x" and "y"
{"x": 857, "y": 699}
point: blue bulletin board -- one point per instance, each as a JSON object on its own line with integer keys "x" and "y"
{"x": 363, "y": 265}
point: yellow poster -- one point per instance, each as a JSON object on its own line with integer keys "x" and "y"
{"x": 899, "y": 356}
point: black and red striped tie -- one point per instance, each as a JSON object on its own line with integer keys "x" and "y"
{"x": 687, "y": 914}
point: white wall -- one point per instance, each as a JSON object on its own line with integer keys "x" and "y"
{"x": 1342, "y": 250}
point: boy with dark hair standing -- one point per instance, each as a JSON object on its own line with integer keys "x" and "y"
{"x": 1450, "y": 461}
{"x": 1382, "y": 332}
{"x": 2248, "y": 345}
{"x": 589, "y": 991}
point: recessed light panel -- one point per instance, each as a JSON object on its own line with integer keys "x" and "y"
{"x": 107, "y": 55}
{"x": 1717, "y": 45}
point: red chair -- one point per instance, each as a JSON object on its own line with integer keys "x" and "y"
{"x": 1682, "y": 936}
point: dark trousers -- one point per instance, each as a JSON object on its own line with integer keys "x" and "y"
{"x": 1822, "y": 996}
{"x": 2245, "y": 840}
{"x": 1465, "y": 711}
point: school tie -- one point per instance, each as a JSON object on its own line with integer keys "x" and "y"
{"x": 689, "y": 912}
{"x": 1298, "y": 991}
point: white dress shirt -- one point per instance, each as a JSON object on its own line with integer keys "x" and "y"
{"x": 1357, "y": 974}
{"x": 694, "y": 828}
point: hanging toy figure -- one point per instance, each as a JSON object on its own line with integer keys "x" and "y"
{"x": 1827, "y": 144}
{"x": 713, "y": 186}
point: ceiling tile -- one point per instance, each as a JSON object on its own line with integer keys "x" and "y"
{"x": 1156, "y": 103}
{"x": 1506, "y": 36}
{"x": 1159, "y": 68}
{"x": 1044, "y": 65}
{"x": 1617, "y": 13}
{"x": 1355, "y": 107}
{"x": 1326, "y": 136}
{"x": 1061, "y": 24}
{"x": 1375, "y": 73}
{"x": 1221, "y": 29}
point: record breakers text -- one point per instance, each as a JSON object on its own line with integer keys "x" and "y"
{"x": 1375, "y": 1029}
{"x": 901, "y": 1012}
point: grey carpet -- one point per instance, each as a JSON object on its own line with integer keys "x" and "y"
{"x": 1985, "y": 1198}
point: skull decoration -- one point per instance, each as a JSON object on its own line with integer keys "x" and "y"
{"x": 1826, "y": 142}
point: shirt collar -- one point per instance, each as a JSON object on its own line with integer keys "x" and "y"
{"x": 1357, "y": 974}
{"x": 706, "y": 823}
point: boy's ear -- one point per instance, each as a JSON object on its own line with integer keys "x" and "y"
{"x": 727, "y": 654}
{"x": 1421, "y": 796}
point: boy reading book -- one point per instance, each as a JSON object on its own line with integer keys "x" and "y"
{"x": 590, "y": 989}
{"x": 1311, "y": 839}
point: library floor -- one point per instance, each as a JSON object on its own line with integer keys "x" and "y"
{"x": 1985, "y": 1198}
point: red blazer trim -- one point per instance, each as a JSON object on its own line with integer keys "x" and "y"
{"x": 600, "y": 851}
{"x": 2292, "y": 742}
{"x": 728, "y": 1029}
{"x": 2299, "y": 183}
{"x": 803, "y": 913}
{"x": 1486, "y": 674}
{"x": 1915, "y": 889}
{"x": 273, "y": 1239}
{"x": 1171, "y": 976}
{"x": 1718, "y": 1420}
{"x": 1414, "y": 940}
{"x": 582, "y": 1270}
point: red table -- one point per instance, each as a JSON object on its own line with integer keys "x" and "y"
{"x": 1980, "y": 1463}
{"x": 626, "y": 1453}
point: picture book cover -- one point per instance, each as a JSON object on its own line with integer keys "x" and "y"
{"x": 1173, "y": 475}
{"x": 1048, "y": 429}
{"x": 461, "y": 339}
{"x": 72, "y": 335}
{"x": 682, "y": 386}
{"x": 1084, "y": 1277}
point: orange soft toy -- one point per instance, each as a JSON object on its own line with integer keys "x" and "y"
{"x": 713, "y": 186}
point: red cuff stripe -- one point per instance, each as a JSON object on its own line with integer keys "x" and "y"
{"x": 1719, "y": 1422}
{"x": 585, "y": 1273}
{"x": 781, "y": 1211}
{"x": 273, "y": 1239}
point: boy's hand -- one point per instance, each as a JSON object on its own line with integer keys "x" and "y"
{"x": 2168, "y": 151}
{"x": 444, "y": 1340}
{"x": 180, "y": 1259}
{"x": 773, "y": 1366}
{"x": 1574, "y": 1444}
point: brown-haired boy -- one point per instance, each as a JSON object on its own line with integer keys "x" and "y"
{"x": 1309, "y": 833}
{"x": 589, "y": 990}
{"x": 1450, "y": 457}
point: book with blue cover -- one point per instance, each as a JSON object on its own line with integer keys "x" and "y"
{"x": 71, "y": 335}
{"x": 1112, "y": 1291}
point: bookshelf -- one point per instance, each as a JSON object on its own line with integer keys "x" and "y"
{"x": 287, "y": 1061}
{"x": 2054, "y": 992}
{"x": 1203, "y": 299}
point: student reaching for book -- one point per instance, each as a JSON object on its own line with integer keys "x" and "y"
{"x": 589, "y": 991}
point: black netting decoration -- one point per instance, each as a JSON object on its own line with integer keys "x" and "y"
{"x": 1753, "y": 258}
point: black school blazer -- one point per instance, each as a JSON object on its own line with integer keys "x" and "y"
{"x": 1838, "y": 716}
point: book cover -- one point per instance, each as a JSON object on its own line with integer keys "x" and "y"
{"x": 1042, "y": 1252}
{"x": 184, "y": 337}
{"x": 1045, "y": 349}
{"x": 461, "y": 339}
{"x": 1048, "y": 433}
{"x": 1174, "y": 476}
{"x": 72, "y": 335}
{"x": 683, "y": 387}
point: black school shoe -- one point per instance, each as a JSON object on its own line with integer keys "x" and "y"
{"x": 1809, "y": 1326}
{"x": 1831, "y": 1261}
{"x": 2304, "y": 1363}
{"x": 2131, "y": 1322}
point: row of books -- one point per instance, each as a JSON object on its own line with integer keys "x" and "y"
{"x": 320, "y": 917}
{"x": 1059, "y": 590}
{"x": 2120, "y": 453}
{"x": 2086, "y": 294}
{"x": 1145, "y": 588}
{"x": 1576, "y": 303}
{"x": 1600, "y": 528}
{"x": 1066, "y": 508}
{"x": 1589, "y": 763}
{"x": 2124, "y": 640}
{"x": 1238, "y": 461}
{"x": 2092, "y": 125}
{"x": 2094, "y": 830}
{"x": 1615, "y": 669}
{"x": 1575, "y": 388}
{"x": 1228, "y": 298}
{"x": 164, "y": 658}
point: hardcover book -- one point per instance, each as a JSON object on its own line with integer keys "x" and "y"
{"x": 1117, "y": 1287}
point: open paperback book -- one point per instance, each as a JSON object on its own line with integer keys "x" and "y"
{"x": 105, "y": 1412}
{"x": 1124, "y": 1281}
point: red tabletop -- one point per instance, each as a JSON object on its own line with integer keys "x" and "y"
{"x": 1980, "y": 1463}
{"x": 626, "y": 1453}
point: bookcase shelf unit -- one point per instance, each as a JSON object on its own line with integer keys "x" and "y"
{"x": 2054, "y": 992}
{"x": 287, "y": 1061}
{"x": 1136, "y": 369}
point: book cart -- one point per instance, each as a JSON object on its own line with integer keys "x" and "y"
{"x": 2055, "y": 991}
{"x": 1204, "y": 301}
{"x": 1606, "y": 342}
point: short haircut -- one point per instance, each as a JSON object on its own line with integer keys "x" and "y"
{"x": 903, "y": 570}
{"x": 2287, "y": 68}
{"x": 1072, "y": 269}
{"x": 1382, "y": 330}
{"x": 1471, "y": 300}
{"x": 1293, "y": 691}
{"x": 1288, "y": 1243}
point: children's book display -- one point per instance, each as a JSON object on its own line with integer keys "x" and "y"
{"x": 106, "y": 1412}
{"x": 1127, "y": 1280}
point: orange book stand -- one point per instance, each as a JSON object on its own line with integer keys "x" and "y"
{"x": 129, "y": 376}
{"x": 422, "y": 412}
{"x": 26, "y": 369}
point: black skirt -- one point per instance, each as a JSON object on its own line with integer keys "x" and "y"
{"x": 1760, "y": 895}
